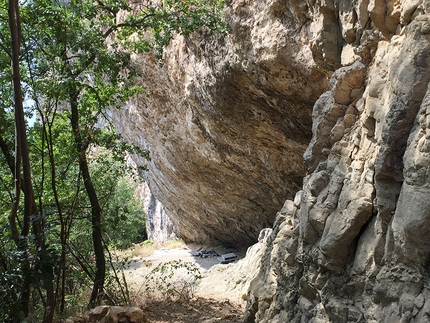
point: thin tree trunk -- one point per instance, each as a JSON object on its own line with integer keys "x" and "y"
{"x": 96, "y": 211}
{"x": 20, "y": 146}
{"x": 8, "y": 156}
{"x": 61, "y": 276}
{"x": 22, "y": 155}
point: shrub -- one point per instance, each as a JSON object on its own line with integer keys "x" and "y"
{"x": 172, "y": 280}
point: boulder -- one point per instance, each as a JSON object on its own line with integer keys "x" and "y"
{"x": 117, "y": 314}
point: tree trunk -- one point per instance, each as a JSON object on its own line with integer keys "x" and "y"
{"x": 20, "y": 146}
{"x": 61, "y": 275}
{"x": 96, "y": 211}
{"x": 22, "y": 156}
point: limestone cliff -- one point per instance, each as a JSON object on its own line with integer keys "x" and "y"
{"x": 354, "y": 244}
{"x": 335, "y": 92}
{"x": 159, "y": 227}
{"x": 227, "y": 120}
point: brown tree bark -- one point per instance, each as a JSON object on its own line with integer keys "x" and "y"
{"x": 96, "y": 210}
{"x": 22, "y": 157}
{"x": 20, "y": 147}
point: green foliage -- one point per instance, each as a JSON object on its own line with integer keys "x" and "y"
{"x": 172, "y": 280}
{"x": 79, "y": 52}
{"x": 148, "y": 242}
{"x": 124, "y": 220}
{"x": 117, "y": 288}
{"x": 173, "y": 16}
{"x": 11, "y": 278}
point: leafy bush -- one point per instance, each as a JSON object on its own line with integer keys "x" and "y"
{"x": 116, "y": 287}
{"x": 172, "y": 280}
{"x": 148, "y": 242}
{"x": 123, "y": 219}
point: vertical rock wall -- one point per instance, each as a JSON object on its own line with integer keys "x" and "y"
{"x": 159, "y": 227}
{"x": 354, "y": 244}
{"x": 232, "y": 131}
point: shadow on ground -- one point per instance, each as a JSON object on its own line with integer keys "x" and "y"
{"x": 208, "y": 262}
{"x": 198, "y": 310}
{"x": 185, "y": 254}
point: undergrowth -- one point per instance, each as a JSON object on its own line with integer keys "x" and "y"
{"x": 173, "y": 280}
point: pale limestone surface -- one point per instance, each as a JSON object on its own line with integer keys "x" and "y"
{"x": 228, "y": 121}
{"x": 112, "y": 314}
{"x": 360, "y": 244}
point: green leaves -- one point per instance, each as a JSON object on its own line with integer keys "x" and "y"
{"x": 164, "y": 21}
{"x": 172, "y": 280}
{"x": 75, "y": 62}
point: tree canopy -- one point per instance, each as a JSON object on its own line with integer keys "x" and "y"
{"x": 64, "y": 63}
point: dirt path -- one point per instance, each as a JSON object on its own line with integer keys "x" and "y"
{"x": 214, "y": 299}
{"x": 166, "y": 255}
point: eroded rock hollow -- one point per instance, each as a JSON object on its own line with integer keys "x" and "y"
{"x": 227, "y": 120}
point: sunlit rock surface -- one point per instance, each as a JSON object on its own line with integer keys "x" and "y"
{"x": 354, "y": 245}
{"x": 321, "y": 110}
{"x": 159, "y": 227}
{"x": 227, "y": 120}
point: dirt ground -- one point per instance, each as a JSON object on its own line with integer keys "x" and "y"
{"x": 212, "y": 302}
{"x": 201, "y": 310}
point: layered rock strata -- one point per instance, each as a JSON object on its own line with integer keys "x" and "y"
{"x": 354, "y": 244}
{"x": 227, "y": 120}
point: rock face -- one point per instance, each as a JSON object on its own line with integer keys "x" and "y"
{"x": 159, "y": 227}
{"x": 234, "y": 278}
{"x": 158, "y": 224}
{"x": 227, "y": 121}
{"x": 230, "y": 122}
{"x": 354, "y": 246}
